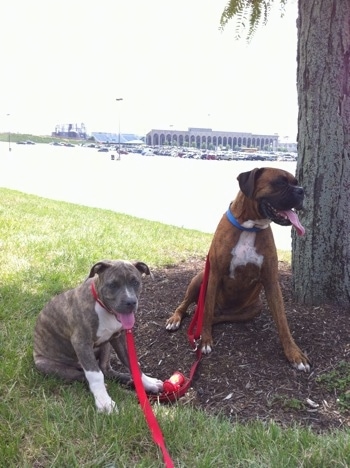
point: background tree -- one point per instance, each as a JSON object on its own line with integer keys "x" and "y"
{"x": 321, "y": 259}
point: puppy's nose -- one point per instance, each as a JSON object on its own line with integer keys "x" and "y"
{"x": 299, "y": 191}
{"x": 131, "y": 302}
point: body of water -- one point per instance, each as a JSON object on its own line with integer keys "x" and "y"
{"x": 187, "y": 193}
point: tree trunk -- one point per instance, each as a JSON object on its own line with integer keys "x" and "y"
{"x": 321, "y": 259}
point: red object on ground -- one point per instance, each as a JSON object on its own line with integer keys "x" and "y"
{"x": 174, "y": 383}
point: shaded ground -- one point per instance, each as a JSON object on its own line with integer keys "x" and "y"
{"x": 247, "y": 377}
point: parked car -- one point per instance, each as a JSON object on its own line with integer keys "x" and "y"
{"x": 225, "y": 156}
{"x": 27, "y": 142}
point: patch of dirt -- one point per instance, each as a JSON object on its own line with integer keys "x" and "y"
{"x": 247, "y": 376}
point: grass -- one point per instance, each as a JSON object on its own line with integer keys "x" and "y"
{"x": 338, "y": 381}
{"x": 15, "y": 137}
{"x": 48, "y": 246}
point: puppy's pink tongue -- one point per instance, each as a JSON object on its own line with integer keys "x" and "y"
{"x": 294, "y": 219}
{"x": 127, "y": 320}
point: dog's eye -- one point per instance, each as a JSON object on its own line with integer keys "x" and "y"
{"x": 113, "y": 285}
{"x": 280, "y": 182}
{"x": 135, "y": 282}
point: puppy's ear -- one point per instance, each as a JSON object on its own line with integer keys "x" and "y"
{"x": 247, "y": 181}
{"x": 143, "y": 268}
{"x": 99, "y": 268}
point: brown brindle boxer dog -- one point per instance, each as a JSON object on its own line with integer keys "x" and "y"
{"x": 243, "y": 259}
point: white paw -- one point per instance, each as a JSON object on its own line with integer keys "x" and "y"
{"x": 173, "y": 326}
{"x": 302, "y": 367}
{"x": 106, "y": 405}
{"x": 151, "y": 385}
{"x": 103, "y": 401}
{"x": 206, "y": 349}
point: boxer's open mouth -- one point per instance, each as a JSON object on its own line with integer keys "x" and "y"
{"x": 282, "y": 217}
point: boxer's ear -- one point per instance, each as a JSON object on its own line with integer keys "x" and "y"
{"x": 247, "y": 181}
{"x": 99, "y": 268}
{"x": 143, "y": 268}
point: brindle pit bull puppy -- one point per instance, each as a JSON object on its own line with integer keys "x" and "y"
{"x": 243, "y": 259}
{"x": 75, "y": 330}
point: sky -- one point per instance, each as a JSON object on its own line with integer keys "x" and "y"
{"x": 68, "y": 61}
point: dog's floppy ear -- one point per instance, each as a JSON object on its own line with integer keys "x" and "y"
{"x": 99, "y": 267}
{"x": 247, "y": 181}
{"x": 143, "y": 268}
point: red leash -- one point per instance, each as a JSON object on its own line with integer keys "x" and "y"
{"x": 195, "y": 328}
{"x": 143, "y": 399}
{"x": 194, "y": 336}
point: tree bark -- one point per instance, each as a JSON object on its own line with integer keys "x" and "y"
{"x": 321, "y": 259}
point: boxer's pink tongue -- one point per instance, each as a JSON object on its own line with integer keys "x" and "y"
{"x": 127, "y": 320}
{"x": 294, "y": 219}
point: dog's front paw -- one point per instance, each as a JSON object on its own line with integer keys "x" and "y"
{"x": 206, "y": 349}
{"x": 302, "y": 366}
{"x": 103, "y": 401}
{"x": 173, "y": 323}
{"x": 206, "y": 343}
{"x": 106, "y": 405}
{"x": 298, "y": 360}
{"x": 302, "y": 363}
{"x": 151, "y": 384}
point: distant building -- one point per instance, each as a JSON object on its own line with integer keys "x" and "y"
{"x": 72, "y": 130}
{"x": 207, "y": 138}
{"x": 113, "y": 138}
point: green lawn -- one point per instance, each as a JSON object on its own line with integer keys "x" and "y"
{"x": 48, "y": 246}
{"x": 15, "y": 137}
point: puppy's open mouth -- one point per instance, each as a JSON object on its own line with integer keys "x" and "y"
{"x": 127, "y": 320}
{"x": 282, "y": 217}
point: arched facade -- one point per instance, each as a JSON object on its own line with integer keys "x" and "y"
{"x": 207, "y": 138}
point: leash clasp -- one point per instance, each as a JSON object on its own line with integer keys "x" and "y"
{"x": 195, "y": 343}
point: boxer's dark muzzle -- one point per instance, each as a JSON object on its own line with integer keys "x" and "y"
{"x": 278, "y": 206}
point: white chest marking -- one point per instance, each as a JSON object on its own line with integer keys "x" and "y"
{"x": 107, "y": 324}
{"x": 244, "y": 252}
